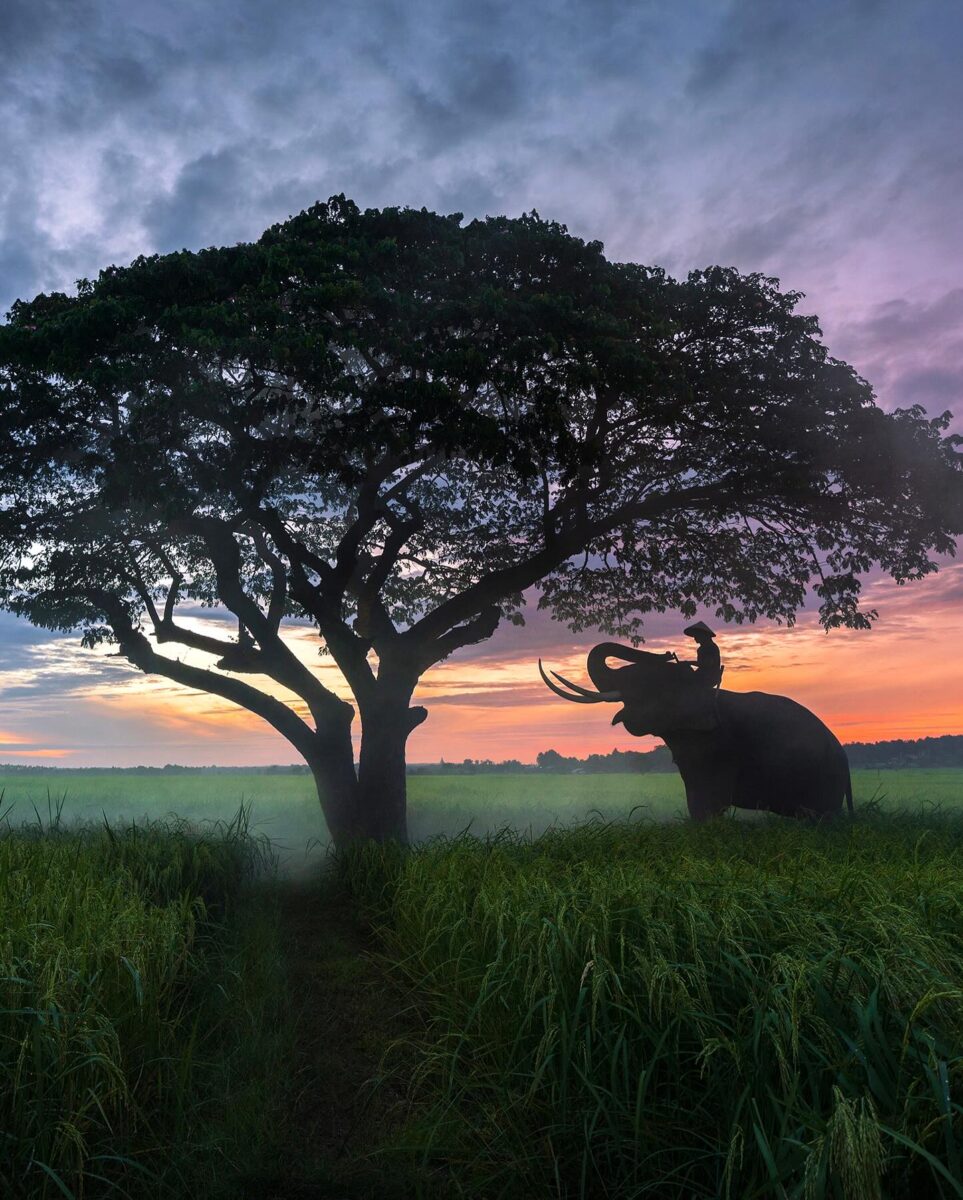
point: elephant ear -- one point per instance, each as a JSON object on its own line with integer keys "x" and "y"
{"x": 689, "y": 706}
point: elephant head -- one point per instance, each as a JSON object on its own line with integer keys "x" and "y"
{"x": 658, "y": 696}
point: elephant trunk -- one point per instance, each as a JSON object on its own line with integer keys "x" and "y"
{"x": 601, "y": 674}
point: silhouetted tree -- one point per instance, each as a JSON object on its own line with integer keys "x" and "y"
{"x": 551, "y": 760}
{"x": 390, "y": 424}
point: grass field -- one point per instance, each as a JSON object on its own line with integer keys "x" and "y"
{"x": 637, "y": 1008}
{"x": 139, "y": 999}
{"x": 748, "y": 1010}
{"x": 285, "y": 807}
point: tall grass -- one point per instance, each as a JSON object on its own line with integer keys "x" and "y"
{"x": 741, "y": 1010}
{"x": 133, "y": 984}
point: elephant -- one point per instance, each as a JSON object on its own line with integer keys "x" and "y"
{"x": 741, "y": 749}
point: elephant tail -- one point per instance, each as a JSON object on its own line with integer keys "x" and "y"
{"x": 849, "y": 791}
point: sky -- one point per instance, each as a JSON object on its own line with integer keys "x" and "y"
{"x": 818, "y": 142}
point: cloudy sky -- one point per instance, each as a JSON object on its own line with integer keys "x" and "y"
{"x": 818, "y": 142}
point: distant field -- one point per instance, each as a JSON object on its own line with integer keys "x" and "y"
{"x": 285, "y": 807}
{"x": 446, "y": 804}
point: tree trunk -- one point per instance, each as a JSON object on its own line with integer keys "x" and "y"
{"x": 382, "y": 783}
{"x": 371, "y": 804}
{"x": 382, "y": 786}
{"x": 331, "y": 760}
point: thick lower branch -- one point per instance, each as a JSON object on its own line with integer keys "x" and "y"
{"x": 479, "y": 629}
{"x": 138, "y": 650}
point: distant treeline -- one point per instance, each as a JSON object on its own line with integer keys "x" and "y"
{"x": 619, "y": 762}
{"x": 924, "y": 752}
{"x": 944, "y": 751}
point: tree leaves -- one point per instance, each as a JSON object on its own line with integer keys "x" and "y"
{"x": 419, "y": 418}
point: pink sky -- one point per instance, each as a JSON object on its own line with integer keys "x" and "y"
{"x": 902, "y": 679}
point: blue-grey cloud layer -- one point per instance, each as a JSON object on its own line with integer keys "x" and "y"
{"x": 820, "y": 142}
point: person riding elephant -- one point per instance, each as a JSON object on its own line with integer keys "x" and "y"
{"x": 708, "y": 663}
{"x": 745, "y": 750}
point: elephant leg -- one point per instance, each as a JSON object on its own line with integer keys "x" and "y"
{"x": 708, "y": 773}
{"x": 700, "y": 808}
{"x": 707, "y": 799}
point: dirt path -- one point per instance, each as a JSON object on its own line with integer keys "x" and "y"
{"x": 348, "y": 1012}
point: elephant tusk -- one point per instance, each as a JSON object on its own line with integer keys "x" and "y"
{"x": 582, "y": 696}
{"x": 595, "y": 696}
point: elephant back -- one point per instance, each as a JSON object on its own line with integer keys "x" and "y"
{"x": 789, "y": 761}
{"x": 770, "y": 713}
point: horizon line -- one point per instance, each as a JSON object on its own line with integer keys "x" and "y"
{"x": 41, "y": 766}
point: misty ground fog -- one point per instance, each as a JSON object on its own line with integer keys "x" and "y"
{"x": 284, "y": 807}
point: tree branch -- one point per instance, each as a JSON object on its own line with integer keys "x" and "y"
{"x": 278, "y": 577}
{"x": 296, "y": 550}
{"x": 137, "y": 649}
{"x": 373, "y": 619}
{"x": 477, "y": 630}
{"x": 274, "y": 658}
{"x": 324, "y": 604}
{"x": 486, "y": 592}
{"x": 370, "y": 505}
{"x": 171, "y": 601}
{"x": 142, "y": 590}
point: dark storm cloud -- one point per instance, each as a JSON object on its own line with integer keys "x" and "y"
{"x": 209, "y": 184}
{"x": 24, "y": 253}
{"x": 484, "y": 91}
{"x": 830, "y": 149}
{"x": 749, "y": 132}
{"x": 760, "y": 240}
{"x": 938, "y": 390}
{"x": 902, "y": 324}
{"x": 757, "y": 39}
{"x": 28, "y": 28}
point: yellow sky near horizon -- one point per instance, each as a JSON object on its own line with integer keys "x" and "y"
{"x": 902, "y": 679}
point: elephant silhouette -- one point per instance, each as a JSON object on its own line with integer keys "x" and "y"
{"x": 740, "y": 749}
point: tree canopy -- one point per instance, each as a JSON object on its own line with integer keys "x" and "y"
{"x": 392, "y": 423}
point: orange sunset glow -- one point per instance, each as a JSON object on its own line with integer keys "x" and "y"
{"x": 902, "y": 679}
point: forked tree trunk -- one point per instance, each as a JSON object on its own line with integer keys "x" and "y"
{"x": 386, "y": 723}
{"x": 371, "y": 804}
{"x": 382, "y": 785}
